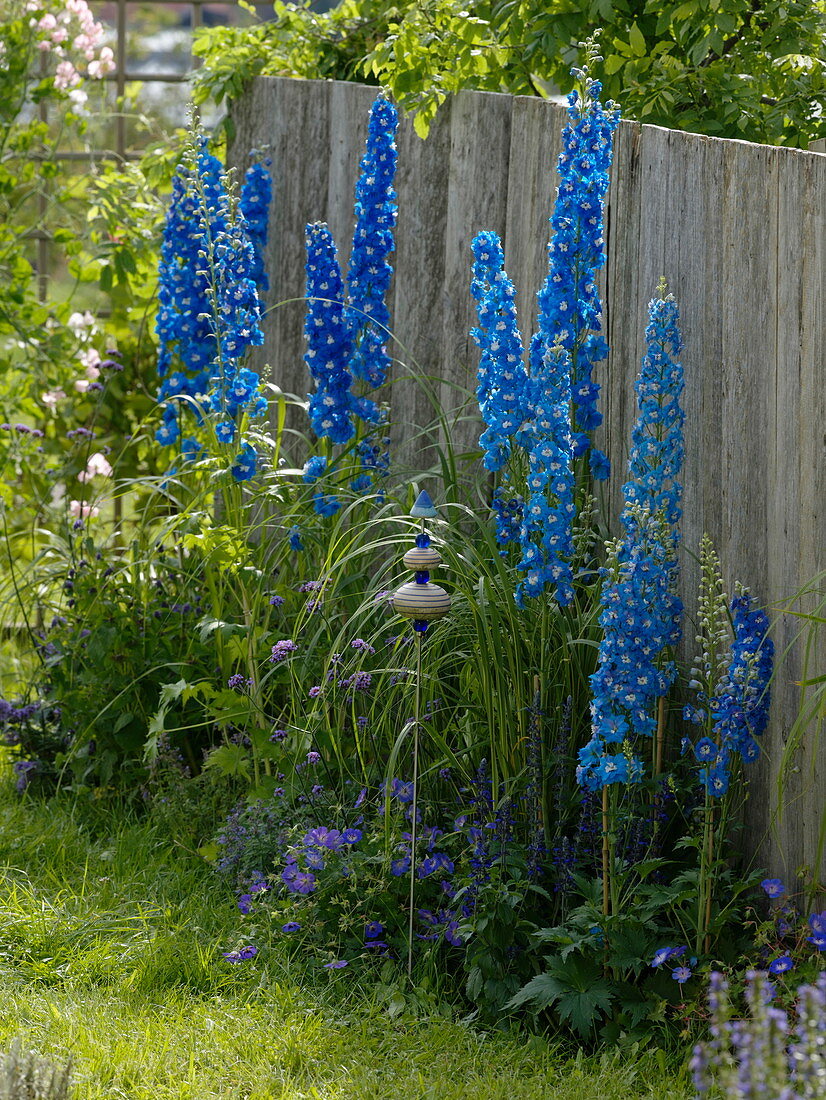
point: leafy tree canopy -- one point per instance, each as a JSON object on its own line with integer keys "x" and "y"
{"x": 753, "y": 69}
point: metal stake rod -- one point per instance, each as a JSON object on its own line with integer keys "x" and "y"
{"x": 422, "y": 602}
{"x": 417, "y": 715}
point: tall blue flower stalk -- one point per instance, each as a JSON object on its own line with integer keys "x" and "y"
{"x": 569, "y": 305}
{"x": 185, "y": 333}
{"x": 210, "y": 271}
{"x": 539, "y": 419}
{"x": 731, "y": 678}
{"x": 369, "y": 271}
{"x": 641, "y": 611}
{"x": 255, "y": 202}
{"x": 347, "y": 327}
{"x": 329, "y": 340}
{"x": 528, "y": 412}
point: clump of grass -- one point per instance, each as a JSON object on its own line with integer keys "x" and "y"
{"x": 112, "y": 955}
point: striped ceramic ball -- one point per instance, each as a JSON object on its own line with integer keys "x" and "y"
{"x": 421, "y": 558}
{"x": 421, "y": 601}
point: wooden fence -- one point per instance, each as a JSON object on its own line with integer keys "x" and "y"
{"x": 738, "y": 231}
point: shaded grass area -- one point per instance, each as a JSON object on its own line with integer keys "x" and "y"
{"x": 111, "y": 945}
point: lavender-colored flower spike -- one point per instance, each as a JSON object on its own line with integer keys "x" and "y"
{"x": 329, "y": 342}
{"x": 369, "y": 271}
{"x": 753, "y": 1057}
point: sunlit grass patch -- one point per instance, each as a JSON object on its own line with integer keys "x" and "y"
{"x": 111, "y": 945}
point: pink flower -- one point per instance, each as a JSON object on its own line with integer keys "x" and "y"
{"x": 51, "y": 398}
{"x": 90, "y": 359}
{"x": 66, "y": 76}
{"x": 104, "y": 64}
{"x": 96, "y": 466}
{"x": 82, "y": 510}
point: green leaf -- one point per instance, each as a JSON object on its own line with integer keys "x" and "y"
{"x": 613, "y": 63}
{"x": 540, "y": 992}
{"x": 636, "y": 40}
{"x": 230, "y": 760}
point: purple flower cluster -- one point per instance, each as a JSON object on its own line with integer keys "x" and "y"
{"x": 763, "y": 1055}
{"x": 281, "y": 650}
{"x": 12, "y": 715}
{"x": 316, "y": 847}
{"x": 22, "y": 429}
{"x": 23, "y": 772}
{"x": 680, "y": 973}
{"x": 242, "y": 954}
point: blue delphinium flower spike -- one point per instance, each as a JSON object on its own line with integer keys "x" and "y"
{"x": 369, "y": 271}
{"x": 183, "y": 325}
{"x": 256, "y": 197}
{"x": 329, "y": 340}
{"x": 209, "y": 312}
{"x": 569, "y": 303}
{"x": 502, "y": 379}
{"x": 641, "y": 611}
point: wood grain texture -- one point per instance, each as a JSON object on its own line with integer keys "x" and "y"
{"x": 738, "y": 231}
{"x": 480, "y": 132}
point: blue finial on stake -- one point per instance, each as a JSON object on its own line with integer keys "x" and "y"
{"x": 424, "y": 507}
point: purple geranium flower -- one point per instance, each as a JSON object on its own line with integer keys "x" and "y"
{"x": 773, "y": 887}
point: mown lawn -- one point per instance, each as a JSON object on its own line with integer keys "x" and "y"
{"x": 111, "y": 952}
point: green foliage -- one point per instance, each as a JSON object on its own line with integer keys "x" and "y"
{"x": 112, "y": 945}
{"x": 728, "y": 68}
{"x": 576, "y": 986}
{"x": 112, "y": 614}
{"x": 100, "y": 224}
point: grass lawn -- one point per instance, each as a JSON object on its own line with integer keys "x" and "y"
{"x": 111, "y": 952}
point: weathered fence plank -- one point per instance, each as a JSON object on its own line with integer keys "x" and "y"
{"x": 738, "y": 231}
{"x": 480, "y": 128}
{"x": 418, "y": 318}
